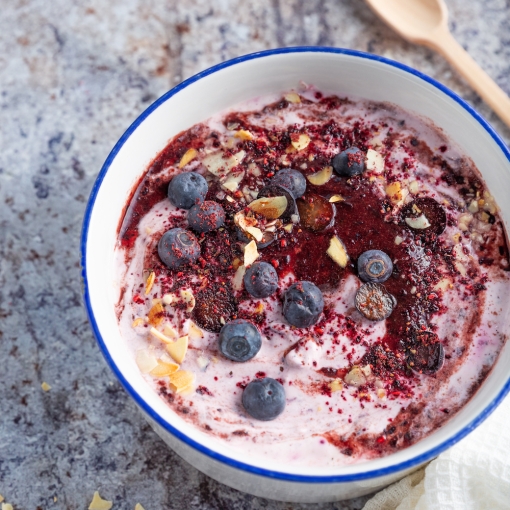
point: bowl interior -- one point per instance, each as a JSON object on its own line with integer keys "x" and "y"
{"x": 340, "y": 72}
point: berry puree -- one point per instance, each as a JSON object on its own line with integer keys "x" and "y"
{"x": 316, "y": 279}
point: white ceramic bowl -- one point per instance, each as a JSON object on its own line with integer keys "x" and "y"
{"x": 340, "y": 71}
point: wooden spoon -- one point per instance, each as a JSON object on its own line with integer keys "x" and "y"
{"x": 426, "y": 22}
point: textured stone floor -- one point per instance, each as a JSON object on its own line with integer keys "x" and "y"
{"x": 73, "y": 76}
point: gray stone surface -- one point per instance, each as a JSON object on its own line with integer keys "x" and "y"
{"x": 73, "y": 76}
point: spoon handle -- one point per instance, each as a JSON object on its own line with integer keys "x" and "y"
{"x": 486, "y": 87}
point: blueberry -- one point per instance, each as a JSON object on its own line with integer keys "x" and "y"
{"x": 187, "y": 189}
{"x": 349, "y": 162}
{"x": 240, "y": 340}
{"x": 302, "y": 304}
{"x": 261, "y": 280}
{"x": 264, "y": 399}
{"x": 374, "y": 266}
{"x": 374, "y": 301}
{"x": 206, "y": 216}
{"x": 178, "y": 247}
{"x": 293, "y": 180}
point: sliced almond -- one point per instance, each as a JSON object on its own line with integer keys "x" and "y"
{"x": 288, "y": 228}
{"x": 394, "y": 192}
{"x": 165, "y": 338}
{"x": 156, "y": 315}
{"x": 137, "y": 322}
{"x": 194, "y": 331}
{"x": 178, "y": 348}
{"x": 232, "y": 181}
{"x": 336, "y": 198}
{"x": 420, "y": 222}
{"x": 237, "y": 281}
{"x": 150, "y": 282}
{"x": 269, "y": 207}
{"x": 164, "y": 369}
{"x": 336, "y": 385}
{"x": 251, "y": 253}
{"x": 321, "y": 177}
{"x": 169, "y": 331}
{"x": 181, "y": 380}
{"x": 338, "y": 252}
{"x": 299, "y": 141}
{"x": 138, "y": 506}
{"x": 189, "y": 155}
{"x": 188, "y": 297}
{"x": 374, "y": 161}
{"x": 292, "y": 97}
{"x": 220, "y": 166}
{"x": 145, "y": 361}
{"x": 98, "y": 503}
{"x": 242, "y": 134}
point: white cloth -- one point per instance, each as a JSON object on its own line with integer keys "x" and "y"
{"x": 472, "y": 475}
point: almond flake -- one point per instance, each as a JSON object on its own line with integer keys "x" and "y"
{"x": 178, "y": 348}
{"x": 169, "y": 331}
{"x": 374, "y": 161}
{"x": 6, "y": 506}
{"x": 45, "y": 386}
{"x": 420, "y": 222}
{"x": 150, "y": 282}
{"x": 156, "y": 315}
{"x": 202, "y": 362}
{"x": 99, "y": 503}
{"x": 243, "y": 135}
{"x": 139, "y": 507}
{"x": 288, "y": 228}
{"x": 232, "y": 181}
{"x": 299, "y": 142}
{"x": 292, "y": 97}
{"x": 336, "y": 385}
{"x": 338, "y": 252}
{"x": 137, "y": 322}
{"x": 181, "y": 380}
{"x": 145, "y": 361}
{"x": 336, "y": 198}
{"x": 164, "y": 369}
{"x": 237, "y": 281}
{"x": 251, "y": 253}
{"x": 189, "y": 155}
{"x": 166, "y": 339}
{"x": 269, "y": 207}
{"x": 321, "y": 177}
{"x": 194, "y": 332}
{"x": 188, "y": 297}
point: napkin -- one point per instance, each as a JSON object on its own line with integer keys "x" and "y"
{"x": 472, "y": 475}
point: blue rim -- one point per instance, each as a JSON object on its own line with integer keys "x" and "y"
{"x": 156, "y": 417}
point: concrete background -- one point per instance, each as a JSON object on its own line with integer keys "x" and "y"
{"x": 73, "y": 76}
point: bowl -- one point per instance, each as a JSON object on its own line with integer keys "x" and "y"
{"x": 333, "y": 70}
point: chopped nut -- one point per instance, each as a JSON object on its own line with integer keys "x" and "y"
{"x": 396, "y": 193}
{"x": 99, "y": 503}
{"x": 189, "y": 155}
{"x": 251, "y": 253}
{"x": 1, "y": 498}
{"x": 145, "y": 361}
{"x": 168, "y": 299}
{"x": 166, "y": 339}
{"x": 336, "y": 385}
{"x": 150, "y": 282}
{"x": 413, "y": 290}
{"x": 237, "y": 281}
{"x": 338, "y": 252}
{"x": 139, "y": 507}
{"x": 381, "y": 393}
{"x": 269, "y": 207}
{"x": 367, "y": 370}
{"x": 442, "y": 284}
{"x": 355, "y": 377}
{"x": 292, "y": 97}
{"x": 178, "y": 348}
{"x": 45, "y": 386}
{"x": 137, "y": 322}
{"x": 336, "y": 198}
{"x": 188, "y": 297}
{"x": 202, "y": 362}
{"x": 321, "y": 177}
{"x": 473, "y": 207}
{"x": 299, "y": 142}
{"x": 456, "y": 238}
{"x": 288, "y": 228}
{"x": 164, "y": 369}
{"x": 420, "y": 222}
{"x": 194, "y": 331}
{"x": 398, "y": 240}
{"x": 414, "y": 187}
{"x": 156, "y": 315}
{"x": 243, "y": 135}
{"x": 181, "y": 380}
{"x": 374, "y": 161}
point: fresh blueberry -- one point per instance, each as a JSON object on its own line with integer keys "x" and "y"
{"x": 293, "y": 180}
{"x": 261, "y": 280}
{"x": 349, "y": 162}
{"x": 374, "y": 266}
{"x": 240, "y": 340}
{"x": 264, "y": 399}
{"x": 374, "y": 301}
{"x": 187, "y": 189}
{"x": 178, "y": 247}
{"x": 302, "y": 304}
{"x": 206, "y": 216}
